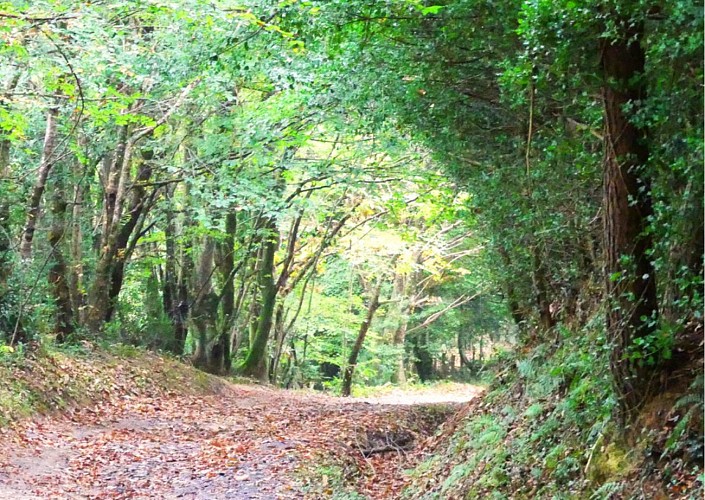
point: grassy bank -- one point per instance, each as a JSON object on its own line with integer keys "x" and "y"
{"x": 545, "y": 430}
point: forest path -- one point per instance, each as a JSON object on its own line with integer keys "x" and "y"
{"x": 243, "y": 443}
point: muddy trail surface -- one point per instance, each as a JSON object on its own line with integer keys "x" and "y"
{"x": 245, "y": 442}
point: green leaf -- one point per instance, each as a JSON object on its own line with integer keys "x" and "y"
{"x": 431, "y": 9}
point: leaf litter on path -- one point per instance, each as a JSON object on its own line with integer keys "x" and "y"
{"x": 246, "y": 442}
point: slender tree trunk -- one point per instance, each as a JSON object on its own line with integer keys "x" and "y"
{"x": 6, "y": 253}
{"x": 58, "y": 272}
{"x": 424, "y": 360}
{"x": 541, "y": 291}
{"x": 400, "y": 294}
{"x": 135, "y": 211}
{"x": 220, "y": 354}
{"x": 255, "y": 364}
{"x": 399, "y": 342}
{"x": 179, "y": 307}
{"x": 205, "y": 305}
{"x": 513, "y": 303}
{"x": 357, "y": 347}
{"x": 630, "y": 280}
{"x": 461, "y": 351}
{"x": 47, "y": 162}
{"x": 182, "y": 308}
{"x": 170, "y": 284}
{"x": 78, "y": 296}
{"x": 280, "y": 337}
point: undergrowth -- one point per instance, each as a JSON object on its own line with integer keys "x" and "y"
{"x": 545, "y": 430}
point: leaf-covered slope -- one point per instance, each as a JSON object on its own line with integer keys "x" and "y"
{"x": 45, "y": 382}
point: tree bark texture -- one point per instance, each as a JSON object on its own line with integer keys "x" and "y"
{"x": 220, "y": 357}
{"x": 6, "y": 254}
{"x": 135, "y": 210}
{"x": 75, "y": 275}
{"x": 205, "y": 304}
{"x": 630, "y": 279}
{"x": 255, "y": 364}
{"x": 58, "y": 271}
{"x": 47, "y": 162}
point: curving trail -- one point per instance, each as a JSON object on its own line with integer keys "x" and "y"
{"x": 246, "y": 442}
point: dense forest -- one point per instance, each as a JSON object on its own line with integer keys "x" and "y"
{"x": 339, "y": 194}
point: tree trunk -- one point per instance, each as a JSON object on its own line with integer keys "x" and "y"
{"x": 541, "y": 291}
{"x": 136, "y": 208}
{"x": 114, "y": 253}
{"x": 47, "y": 162}
{"x": 78, "y": 296}
{"x": 6, "y": 253}
{"x": 511, "y": 295}
{"x": 255, "y": 364}
{"x": 424, "y": 360}
{"x": 111, "y": 178}
{"x": 464, "y": 361}
{"x": 630, "y": 280}
{"x": 169, "y": 284}
{"x": 279, "y": 337}
{"x": 58, "y": 272}
{"x": 220, "y": 357}
{"x": 401, "y": 295}
{"x": 399, "y": 342}
{"x": 182, "y": 308}
{"x": 357, "y": 347}
{"x": 205, "y": 305}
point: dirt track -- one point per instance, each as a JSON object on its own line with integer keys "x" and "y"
{"x": 244, "y": 443}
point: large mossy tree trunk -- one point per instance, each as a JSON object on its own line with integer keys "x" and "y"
{"x": 630, "y": 279}
{"x": 255, "y": 364}
{"x": 362, "y": 333}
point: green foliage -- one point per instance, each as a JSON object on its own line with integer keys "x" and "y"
{"x": 690, "y": 411}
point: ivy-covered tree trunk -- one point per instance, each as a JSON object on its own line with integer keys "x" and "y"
{"x": 6, "y": 252}
{"x": 220, "y": 356}
{"x": 99, "y": 296}
{"x": 357, "y": 347}
{"x": 630, "y": 280}
{"x": 279, "y": 337}
{"x": 205, "y": 305}
{"x": 512, "y": 300}
{"x": 128, "y": 230}
{"x": 255, "y": 364}
{"x": 423, "y": 361}
{"x": 58, "y": 272}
